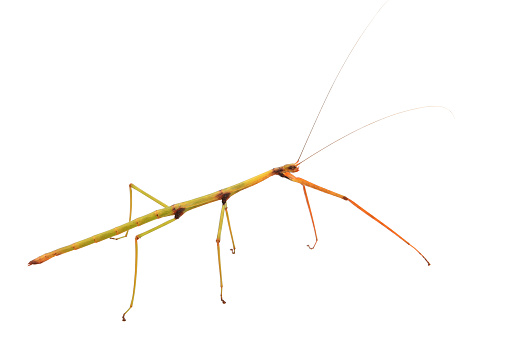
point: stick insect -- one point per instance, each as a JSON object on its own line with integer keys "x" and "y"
{"x": 179, "y": 209}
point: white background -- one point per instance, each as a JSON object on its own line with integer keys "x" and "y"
{"x": 183, "y": 99}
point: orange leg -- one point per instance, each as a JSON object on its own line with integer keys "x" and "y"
{"x": 311, "y": 214}
{"x": 319, "y": 188}
{"x": 381, "y": 223}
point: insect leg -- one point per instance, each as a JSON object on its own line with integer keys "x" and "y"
{"x": 131, "y": 186}
{"x": 319, "y": 188}
{"x": 231, "y": 234}
{"x": 311, "y": 214}
{"x": 218, "y": 240}
{"x": 136, "y": 259}
{"x": 381, "y": 223}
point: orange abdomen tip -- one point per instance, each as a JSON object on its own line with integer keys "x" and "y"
{"x": 40, "y": 259}
{"x": 34, "y": 262}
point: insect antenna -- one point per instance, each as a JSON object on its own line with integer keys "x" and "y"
{"x": 371, "y": 123}
{"x": 343, "y": 65}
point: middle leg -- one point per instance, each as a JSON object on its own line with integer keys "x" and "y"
{"x": 229, "y": 226}
{"x": 218, "y": 240}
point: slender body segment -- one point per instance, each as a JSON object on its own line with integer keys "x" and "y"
{"x": 178, "y": 210}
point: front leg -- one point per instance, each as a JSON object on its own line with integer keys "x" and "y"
{"x": 319, "y": 188}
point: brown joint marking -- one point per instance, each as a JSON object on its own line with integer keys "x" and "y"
{"x": 116, "y": 232}
{"x": 179, "y": 212}
{"x": 225, "y": 197}
{"x": 280, "y": 171}
{"x": 73, "y": 247}
{"x": 345, "y": 198}
{"x": 157, "y": 214}
{"x": 277, "y": 170}
{"x": 95, "y": 240}
{"x": 137, "y": 223}
{"x": 283, "y": 175}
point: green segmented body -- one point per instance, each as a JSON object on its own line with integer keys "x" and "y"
{"x": 177, "y": 210}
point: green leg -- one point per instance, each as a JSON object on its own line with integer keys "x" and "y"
{"x": 131, "y": 186}
{"x": 218, "y": 240}
{"x": 136, "y": 259}
{"x": 228, "y": 219}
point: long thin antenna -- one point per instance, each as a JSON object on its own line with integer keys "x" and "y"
{"x": 371, "y": 123}
{"x": 330, "y": 89}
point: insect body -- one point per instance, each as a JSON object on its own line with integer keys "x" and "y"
{"x": 178, "y": 210}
